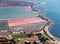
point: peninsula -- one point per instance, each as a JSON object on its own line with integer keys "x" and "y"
{"x": 42, "y": 35}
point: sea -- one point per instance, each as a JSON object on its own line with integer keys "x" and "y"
{"x": 50, "y": 9}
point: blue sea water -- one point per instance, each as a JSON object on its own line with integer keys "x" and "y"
{"x": 15, "y": 12}
{"x": 51, "y": 9}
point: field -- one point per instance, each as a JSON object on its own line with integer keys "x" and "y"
{"x": 20, "y": 36}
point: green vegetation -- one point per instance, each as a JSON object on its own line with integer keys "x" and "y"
{"x": 20, "y": 36}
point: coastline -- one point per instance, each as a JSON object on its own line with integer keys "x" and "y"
{"x": 47, "y": 25}
{"x": 40, "y": 15}
{"x": 43, "y": 29}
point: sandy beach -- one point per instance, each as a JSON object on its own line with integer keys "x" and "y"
{"x": 31, "y": 4}
{"x": 47, "y": 25}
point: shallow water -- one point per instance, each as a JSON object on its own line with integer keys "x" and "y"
{"x": 51, "y": 9}
{"x": 15, "y": 12}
